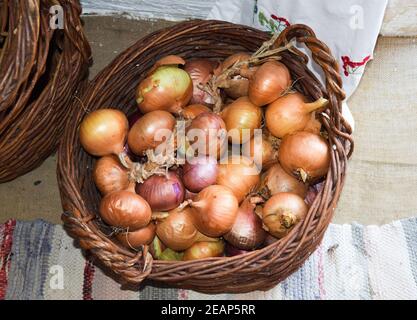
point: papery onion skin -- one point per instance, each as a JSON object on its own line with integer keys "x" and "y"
{"x": 109, "y": 175}
{"x": 240, "y": 174}
{"x": 192, "y": 111}
{"x": 305, "y": 155}
{"x": 268, "y": 83}
{"x": 199, "y": 174}
{"x": 103, "y": 132}
{"x": 200, "y": 71}
{"x": 142, "y": 135}
{"x": 211, "y": 137}
{"x": 238, "y": 86}
{"x": 264, "y": 154}
{"x": 125, "y": 209}
{"x": 136, "y": 239}
{"x": 282, "y": 212}
{"x": 234, "y": 58}
{"x": 290, "y": 113}
{"x": 215, "y": 210}
{"x": 247, "y": 232}
{"x": 204, "y": 250}
{"x": 240, "y": 116}
{"x": 163, "y": 193}
{"x": 168, "y": 88}
{"x": 276, "y": 180}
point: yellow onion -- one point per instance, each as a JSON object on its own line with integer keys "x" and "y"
{"x": 109, "y": 175}
{"x": 204, "y": 250}
{"x": 264, "y": 154}
{"x": 240, "y": 175}
{"x": 247, "y": 232}
{"x": 268, "y": 83}
{"x": 103, "y": 132}
{"x": 171, "y": 60}
{"x": 290, "y": 113}
{"x": 168, "y": 88}
{"x": 144, "y": 132}
{"x": 282, "y": 212}
{"x": 276, "y": 180}
{"x": 214, "y": 210}
{"x": 241, "y": 117}
{"x": 178, "y": 232}
{"x": 136, "y": 239}
{"x": 192, "y": 111}
{"x": 125, "y": 209}
{"x": 305, "y": 155}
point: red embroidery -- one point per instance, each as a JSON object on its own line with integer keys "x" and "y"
{"x": 350, "y": 66}
{"x": 280, "y": 20}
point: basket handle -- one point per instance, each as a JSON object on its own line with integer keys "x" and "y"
{"x": 323, "y": 57}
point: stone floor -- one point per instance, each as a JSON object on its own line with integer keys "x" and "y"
{"x": 379, "y": 180}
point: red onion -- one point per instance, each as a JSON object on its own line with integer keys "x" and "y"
{"x": 232, "y": 251}
{"x": 201, "y": 172}
{"x": 162, "y": 193}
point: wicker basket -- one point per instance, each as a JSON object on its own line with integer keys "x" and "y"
{"x": 40, "y": 71}
{"x": 115, "y": 87}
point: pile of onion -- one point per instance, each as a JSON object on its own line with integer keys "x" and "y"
{"x": 199, "y": 173}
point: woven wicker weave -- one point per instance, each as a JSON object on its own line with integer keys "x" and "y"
{"x": 115, "y": 87}
{"x": 40, "y": 71}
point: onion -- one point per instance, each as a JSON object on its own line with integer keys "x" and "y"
{"x": 282, "y": 212}
{"x": 125, "y": 209}
{"x": 240, "y": 175}
{"x": 204, "y": 250}
{"x": 233, "y": 59}
{"x": 163, "y": 193}
{"x": 178, "y": 231}
{"x": 168, "y": 88}
{"x": 232, "y": 251}
{"x": 313, "y": 192}
{"x": 200, "y": 71}
{"x": 200, "y": 173}
{"x": 156, "y": 247}
{"x": 247, "y": 232}
{"x": 305, "y": 155}
{"x": 290, "y": 113}
{"x": 137, "y": 239}
{"x": 190, "y": 195}
{"x": 264, "y": 154}
{"x": 313, "y": 125}
{"x": 192, "y": 111}
{"x": 215, "y": 210}
{"x": 276, "y": 180}
{"x": 109, "y": 175}
{"x": 207, "y": 135}
{"x": 241, "y": 117}
{"x": 268, "y": 83}
{"x": 270, "y": 239}
{"x": 142, "y": 136}
{"x": 103, "y": 132}
{"x": 171, "y": 255}
{"x": 171, "y": 60}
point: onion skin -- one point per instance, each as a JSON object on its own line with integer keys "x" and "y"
{"x": 162, "y": 193}
{"x": 305, "y": 155}
{"x": 268, "y": 83}
{"x": 282, "y": 212}
{"x": 190, "y": 195}
{"x": 192, "y": 111}
{"x": 171, "y": 60}
{"x": 168, "y": 88}
{"x": 210, "y": 130}
{"x": 200, "y": 71}
{"x": 103, "y": 132}
{"x": 109, "y": 175}
{"x": 277, "y": 180}
{"x": 204, "y": 250}
{"x": 234, "y": 58}
{"x": 247, "y": 232}
{"x": 142, "y": 135}
{"x": 313, "y": 192}
{"x": 215, "y": 210}
{"x": 290, "y": 113}
{"x": 264, "y": 155}
{"x": 200, "y": 174}
{"x": 137, "y": 239}
{"x": 178, "y": 232}
{"x": 238, "y": 174}
{"x": 125, "y": 209}
{"x": 240, "y": 115}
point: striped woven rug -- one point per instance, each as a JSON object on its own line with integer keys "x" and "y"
{"x": 38, "y": 260}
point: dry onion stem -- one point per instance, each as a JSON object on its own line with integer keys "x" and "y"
{"x": 265, "y": 53}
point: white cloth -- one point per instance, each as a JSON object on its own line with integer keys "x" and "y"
{"x": 349, "y": 27}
